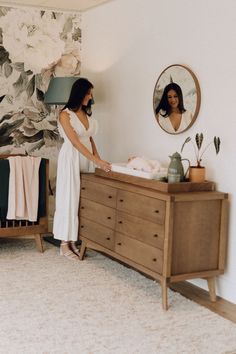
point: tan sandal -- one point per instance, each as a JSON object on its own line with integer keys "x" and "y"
{"x": 67, "y": 252}
{"x": 74, "y": 248}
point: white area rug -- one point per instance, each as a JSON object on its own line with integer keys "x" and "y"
{"x": 53, "y": 305}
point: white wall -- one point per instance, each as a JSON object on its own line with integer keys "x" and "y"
{"x": 125, "y": 46}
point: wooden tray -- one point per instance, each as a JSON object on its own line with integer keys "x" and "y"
{"x": 158, "y": 185}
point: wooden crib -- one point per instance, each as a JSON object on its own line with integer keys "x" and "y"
{"x": 28, "y": 229}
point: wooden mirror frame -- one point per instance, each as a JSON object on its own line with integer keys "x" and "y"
{"x": 186, "y": 79}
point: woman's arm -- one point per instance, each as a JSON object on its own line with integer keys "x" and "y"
{"x": 95, "y": 152}
{"x": 73, "y": 137}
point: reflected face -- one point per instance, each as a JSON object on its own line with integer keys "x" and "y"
{"x": 87, "y": 97}
{"x": 173, "y": 99}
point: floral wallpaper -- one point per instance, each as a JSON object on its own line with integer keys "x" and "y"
{"x": 34, "y": 47}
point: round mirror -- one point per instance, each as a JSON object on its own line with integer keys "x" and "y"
{"x": 176, "y": 99}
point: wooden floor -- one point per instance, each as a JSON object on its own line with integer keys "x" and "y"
{"x": 222, "y": 307}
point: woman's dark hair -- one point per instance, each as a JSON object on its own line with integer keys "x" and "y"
{"x": 79, "y": 90}
{"x": 164, "y": 104}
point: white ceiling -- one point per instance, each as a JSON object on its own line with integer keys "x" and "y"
{"x": 65, "y": 5}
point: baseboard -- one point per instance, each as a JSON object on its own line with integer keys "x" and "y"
{"x": 193, "y": 292}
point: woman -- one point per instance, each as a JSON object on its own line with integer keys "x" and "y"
{"x": 78, "y": 154}
{"x": 171, "y": 114}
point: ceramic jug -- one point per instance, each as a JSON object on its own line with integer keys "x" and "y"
{"x": 176, "y": 170}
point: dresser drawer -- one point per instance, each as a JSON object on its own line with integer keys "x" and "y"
{"x": 138, "y": 252}
{"x": 139, "y": 205}
{"x": 98, "y": 213}
{"x": 97, "y": 233}
{"x": 140, "y": 229}
{"x": 100, "y": 193}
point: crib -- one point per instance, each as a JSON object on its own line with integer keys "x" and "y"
{"x": 24, "y": 228}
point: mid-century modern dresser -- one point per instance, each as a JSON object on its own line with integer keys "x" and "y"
{"x": 171, "y": 236}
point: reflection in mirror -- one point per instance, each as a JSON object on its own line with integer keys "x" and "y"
{"x": 176, "y": 99}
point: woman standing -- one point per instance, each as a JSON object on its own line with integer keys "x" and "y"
{"x": 171, "y": 114}
{"x": 78, "y": 154}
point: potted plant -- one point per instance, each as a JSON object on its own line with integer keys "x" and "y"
{"x": 197, "y": 172}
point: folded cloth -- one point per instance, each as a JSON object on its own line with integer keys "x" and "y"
{"x": 143, "y": 164}
{"x": 4, "y": 187}
{"x": 23, "y": 188}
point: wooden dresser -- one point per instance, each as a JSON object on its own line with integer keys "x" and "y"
{"x": 169, "y": 236}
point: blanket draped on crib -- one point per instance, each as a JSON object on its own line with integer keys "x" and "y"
{"x": 4, "y": 188}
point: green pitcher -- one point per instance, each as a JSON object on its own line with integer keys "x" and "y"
{"x": 175, "y": 172}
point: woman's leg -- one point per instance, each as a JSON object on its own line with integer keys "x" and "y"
{"x": 66, "y": 250}
{"x": 74, "y": 248}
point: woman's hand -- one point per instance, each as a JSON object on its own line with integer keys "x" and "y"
{"x": 104, "y": 165}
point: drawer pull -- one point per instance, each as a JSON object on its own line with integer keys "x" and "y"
{"x": 83, "y": 188}
{"x": 154, "y": 259}
{"x": 157, "y": 211}
{"x": 82, "y": 207}
{"x": 155, "y": 235}
{"x": 109, "y": 218}
{"x": 110, "y": 196}
{"x": 119, "y": 243}
{"x": 120, "y": 222}
{"x": 82, "y": 226}
{"x": 108, "y": 238}
{"x": 121, "y": 200}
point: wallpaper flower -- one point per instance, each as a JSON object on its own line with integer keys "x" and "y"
{"x": 34, "y": 46}
{"x": 34, "y": 35}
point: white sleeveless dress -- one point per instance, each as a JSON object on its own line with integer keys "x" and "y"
{"x": 165, "y": 122}
{"x": 70, "y": 163}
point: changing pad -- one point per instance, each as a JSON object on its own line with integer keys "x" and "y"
{"x": 122, "y": 168}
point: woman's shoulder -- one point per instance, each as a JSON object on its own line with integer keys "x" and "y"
{"x": 187, "y": 116}
{"x": 162, "y": 118}
{"x": 162, "y": 114}
{"x": 188, "y": 113}
{"x": 66, "y": 113}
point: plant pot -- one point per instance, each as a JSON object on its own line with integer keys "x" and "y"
{"x": 197, "y": 174}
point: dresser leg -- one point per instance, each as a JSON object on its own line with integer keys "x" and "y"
{"x": 82, "y": 250}
{"x": 212, "y": 288}
{"x": 39, "y": 242}
{"x": 164, "y": 292}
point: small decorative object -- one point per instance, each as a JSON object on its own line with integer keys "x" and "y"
{"x": 175, "y": 172}
{"x": 197, "y": 173}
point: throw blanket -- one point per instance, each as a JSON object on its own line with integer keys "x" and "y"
{"x": 23, "y": 188}
{"x": 143, "y": 164}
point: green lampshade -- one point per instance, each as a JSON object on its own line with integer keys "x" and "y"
{"x": 59, "y": 90}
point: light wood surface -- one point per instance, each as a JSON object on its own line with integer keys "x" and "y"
{"x": 148, "y": 256}
{"x": 140, "y": 229}
{"x": 156, "y": 184}
{"x": 221, "y": 306}
{"x": 145, "y": 207}
{"x": 97, "y": 233}
{"x": 169, "y": 236}
{"x": 94, "y": 211}
{"x": 212, "y": 288}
